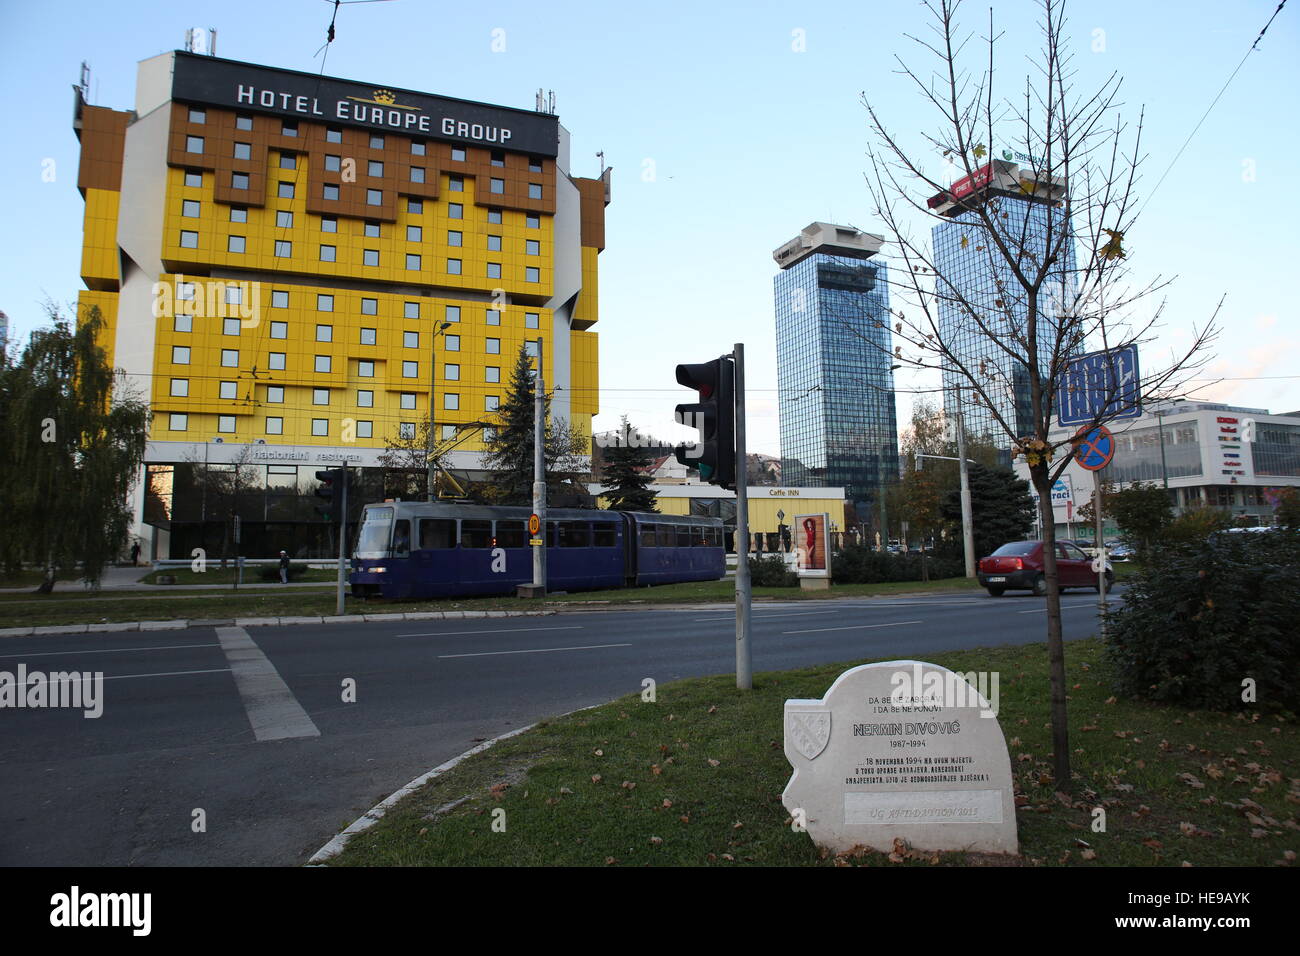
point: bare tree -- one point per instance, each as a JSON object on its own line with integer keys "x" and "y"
{"x": 1047, "y": 231}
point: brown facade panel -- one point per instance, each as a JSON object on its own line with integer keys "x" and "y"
{"x": 591, "y": 217}
{"x": 103, "y": 140}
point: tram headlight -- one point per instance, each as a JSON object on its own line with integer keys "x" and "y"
{"x": 377, "y": 570}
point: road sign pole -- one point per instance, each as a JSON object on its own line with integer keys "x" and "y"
{"x": 1101, "y": 549}
{"x": 343, "y": 533}
{"x": 744, "y": 675}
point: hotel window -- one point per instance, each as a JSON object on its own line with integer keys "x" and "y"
{"x": 275, "y": 394}
{"x": 493, "y": 317}
{"x": 455, "y": 210}
{"x": 320, "y": 396}
{"x": 226, "y": 423}
{"x": 283, "y": 249}
{"x": 414, "y": 234}
{"x": 454, "y": 238}
{"x": 532, "y": 220}
{"x": 323, "y": 363}
{"x": 410, "y": 370}
{"x": 491, "y": 402}
{"x": 185, "y": 291}
{"x": 178, "y": 423}
{"x": 489, "y": 434}
{"x": 406, "y": 430}
{"x": 530, "y": 349}
{"x": 494, "y": 243}
{"x": 324, "y": 303}
{"x": 532, "y": 274}
{"x": 534, "y": 190}
{"x": 324, "y": 333}
{"x": 274, "y": 425}
{"x": 243, "y": 151}
{"x": 198, "y": 116}
{"x": 190, "y": 208}
{"x": 330, "y": 191}
{"x": 411, "y": 310}
{"x": 279, "y": 330}
{"x": 534, "y": 164}
{"x": 189, "y": 239}
{"x": 451, "y": 401}
{"x": 494, "y": 217}
{"x": 371, "y": 230}
{"x": 406, "y": 400}
{"x": 180, "y": 387}
{"x": 494, "y": 270}
{"x": 230, "y": 326}
{"x": 497, "y": 185}
{"x": 235, "y": 244}
{"x": 283, "y": 219}
{"x": 417, "y": 174}
{"x": 320, "y": 426}
{"x": 368, "y": 337}
{"x": 414, "y": 207}
{"x": 365, "y": 369}
{"x": 412, "y": 262}
{"x": 458, "y": 154}
{"x": 288, "y": 129}
{"x": 239, "y": 214}
{"x": 492, "y": 373}
{"x": 417, "y": 147}
{"x": 193, "y": 144}
{"x": 365, "y": 429}
{"x": 375, "y": 168}
{"x": 276, "y": 361}
{"x": 243, "y": 122}
{"x": 328, "y": 253}
{"x": 531, "y": 320}
{"x": 183, "y": 323}
{"x": 333, "y": 135}
{"x": 376, "y": 142}
{"x": 332, "y": 163}
{"x": 329, "y": 224}
{"x": 454, "y": 183}
{"x": 288, "y": 161}
{"x": 411, "y": 340}
{"x": 370, "y": 257}
{"x": 451, "y": 373}
{"x": 369, "y": 306}
{"x": 234, "y": 295}
{"x": 226, "y": 390}
{"x": 451, "y": 343}
{"x": 239, "y": 180}
{"x": 453, "y": 267}
{"x": 498, "y": 158}
{"x": 285, "y": 190}
{"x": 279, "y": 299}
{"x": 532, "y": 247}
{"x": 493, "y": 347}
{"x": 365, "y": 398}
{"x": 449, "y": 431}
{"x": 230, "y": 357}
{"x": 194, "y": 179}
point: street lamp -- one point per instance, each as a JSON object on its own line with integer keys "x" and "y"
{"x": 433, "y": 378}
{"x": 1160, "y": 426}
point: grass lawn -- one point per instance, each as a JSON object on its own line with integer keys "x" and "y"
{"x": 696, "y": 779}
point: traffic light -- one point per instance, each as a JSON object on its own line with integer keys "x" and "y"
{"x": 714, "y": 415}
{"x": 331, "y": 492}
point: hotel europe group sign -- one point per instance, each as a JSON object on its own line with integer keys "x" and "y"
{"x": 243, "y": 86}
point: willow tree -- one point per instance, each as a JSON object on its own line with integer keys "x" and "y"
{"x": 74, "y": 443}
{"x": 1028, "y": 187}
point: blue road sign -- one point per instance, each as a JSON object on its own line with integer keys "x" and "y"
{"x": 1094, "y": 450}
{"x": 1100, "y": 385}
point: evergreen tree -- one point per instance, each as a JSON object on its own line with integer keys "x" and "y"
{"x": 1001, "y": 508}
{"x": 625, "y": 471}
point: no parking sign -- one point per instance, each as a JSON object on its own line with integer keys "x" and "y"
{"x": 1094, "y": 449}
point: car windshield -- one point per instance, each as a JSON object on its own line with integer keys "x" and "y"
{"x": 1015, "y": 548}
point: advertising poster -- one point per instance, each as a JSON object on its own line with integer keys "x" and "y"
{"x": 812, "y": 545}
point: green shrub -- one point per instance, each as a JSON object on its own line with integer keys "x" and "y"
{"x": 1199, "y": 618}
{"x": 271, "y": 572}
{"x": 857, "y": 564}
{"x": 771, "y": 572}
{"x": 1194, "y": 527}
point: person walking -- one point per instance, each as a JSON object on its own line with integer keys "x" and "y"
{"x": 284, "y": 567}
{"x": 135, "y": 554}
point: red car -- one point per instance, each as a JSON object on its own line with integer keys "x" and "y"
{"x": 1019, "y": 566}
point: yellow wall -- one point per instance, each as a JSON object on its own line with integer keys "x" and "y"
{"x": 762, "y": 510}
{"x": 107, "y": 303}
{"x": 99, "y": 263}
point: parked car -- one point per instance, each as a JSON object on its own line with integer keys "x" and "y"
{"x": 1119, "y": 552}
{"x": 1019, "y": 566}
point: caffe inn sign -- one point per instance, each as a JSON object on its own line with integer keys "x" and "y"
{"x": 243, "y": 86}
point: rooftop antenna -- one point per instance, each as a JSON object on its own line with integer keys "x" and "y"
{"x": 601, "y": 156}
{"x": 84, "y": 85}
{"x": 329, "y": 33}
{"x": 201, "y": 40}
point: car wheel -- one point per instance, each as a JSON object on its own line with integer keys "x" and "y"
{"x": 997, "y": 592}
{"x": 1110, "y": 582}
{"x": 1040, "y": 586}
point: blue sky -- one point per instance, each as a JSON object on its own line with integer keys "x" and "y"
{"x": 725, "y": 140}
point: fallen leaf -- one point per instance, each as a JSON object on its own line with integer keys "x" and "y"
{"x": 656, "y": 840}
{"x": 712, "y": 762}
{"x": 595, "y": 778}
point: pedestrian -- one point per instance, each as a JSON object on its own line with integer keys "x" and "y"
{"x": 284, "y": 567}
{"x": 135, "y": 554}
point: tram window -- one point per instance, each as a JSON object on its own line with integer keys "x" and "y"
{"x": 402, "y": 536}
{"x": 574, "y": 534}
{"x": 476, "y": 534}
{"x": 715, "y": 537}
{"x": 437, "y": 533}
{"x": 665, "y": 535}
{"x": 511, "y": 534}
{"x": 648, "y": 536}
{"x": 684, "y": 537}
{"x": 604, "y": 536}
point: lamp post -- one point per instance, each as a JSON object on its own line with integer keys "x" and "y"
{"x": 433, "y": 378}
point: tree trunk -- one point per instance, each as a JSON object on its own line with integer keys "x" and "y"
{"x": 1055, "y": 643}
{"x": 48, "y": 584}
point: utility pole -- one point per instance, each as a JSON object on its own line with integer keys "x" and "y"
{"x": 744, "y": 594}
{"x": 430, "y": 440}
{"x": 967, "y": 522}
{"x": 539, "y": 472}
{"x": 343, "y": 533}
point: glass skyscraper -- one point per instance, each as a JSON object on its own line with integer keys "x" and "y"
{"x": 971, "y": 273}
{"x": 834, "y": 377}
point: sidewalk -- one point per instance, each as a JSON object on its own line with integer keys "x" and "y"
{"x": 129, "y": 579}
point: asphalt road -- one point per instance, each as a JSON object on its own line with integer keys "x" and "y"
{"x": 250, "y": 726}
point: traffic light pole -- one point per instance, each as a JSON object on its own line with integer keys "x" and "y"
{"x": 744, "y": 594}
{"x": 539, "y": 473}
{"x": 343, "y": 532}
{"x": 967, "y": 521}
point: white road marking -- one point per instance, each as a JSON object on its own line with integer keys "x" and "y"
{"x": 273, "y": 712}
{"x": 535, "y": 650}
{"x": 502, "y": 630}
{"x": 1064, "y": 607}
{"x": 64, "y": 680}
{"x": 109, "y": 650}
{"x": 852, "y": 627}
{"x": 771, "y": 617}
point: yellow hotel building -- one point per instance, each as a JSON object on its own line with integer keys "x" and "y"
{"x": 293, "y": 268}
